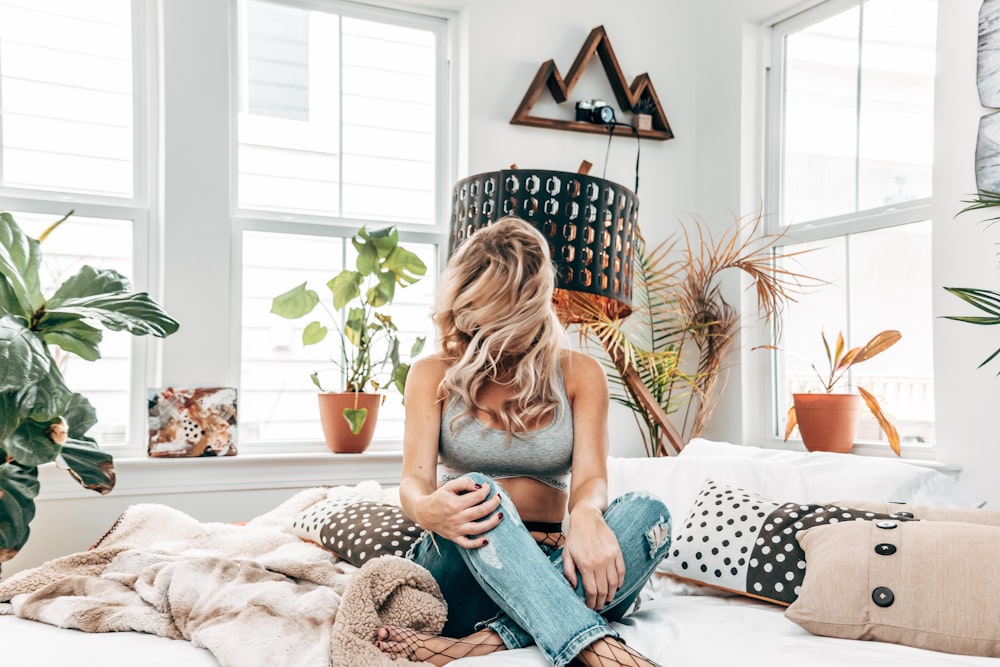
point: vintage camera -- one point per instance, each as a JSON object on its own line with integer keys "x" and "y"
{"x": 595, "y": 111}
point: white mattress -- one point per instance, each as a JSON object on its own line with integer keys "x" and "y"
{"x": 675, "y": 630}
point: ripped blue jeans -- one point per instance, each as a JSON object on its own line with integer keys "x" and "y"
{"x": 518, "y": 590}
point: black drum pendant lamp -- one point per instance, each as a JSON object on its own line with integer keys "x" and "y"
{"x": 589, "y": 222}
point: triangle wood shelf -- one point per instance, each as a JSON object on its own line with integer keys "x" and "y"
{"x": 548, "y": 75}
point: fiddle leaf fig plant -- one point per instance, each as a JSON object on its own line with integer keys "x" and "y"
{"x": 41, "y": 419}
{"x": 366, "y": 345}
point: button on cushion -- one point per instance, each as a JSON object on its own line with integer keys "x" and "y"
{"x": 938, "y": 591}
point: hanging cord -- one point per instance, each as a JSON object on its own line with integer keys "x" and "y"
{"x": 638, "y": 146}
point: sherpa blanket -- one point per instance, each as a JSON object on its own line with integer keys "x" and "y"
{"x": 252, "y": 595}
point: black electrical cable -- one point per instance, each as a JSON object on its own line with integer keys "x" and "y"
{"x": 638, "y": 147}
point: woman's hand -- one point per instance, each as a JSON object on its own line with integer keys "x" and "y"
{"x": 592, "y": 549}
{"x": 454, "y": 510}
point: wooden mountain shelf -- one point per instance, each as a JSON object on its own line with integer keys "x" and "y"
{"x": 627, "y": 96}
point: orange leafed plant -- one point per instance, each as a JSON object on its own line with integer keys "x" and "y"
{"x": 840, "y": 360}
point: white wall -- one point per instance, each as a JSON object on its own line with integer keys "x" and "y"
{"x": 965, "y": 255}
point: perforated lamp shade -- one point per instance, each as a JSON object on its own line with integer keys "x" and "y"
{"x": 590, "y": 224}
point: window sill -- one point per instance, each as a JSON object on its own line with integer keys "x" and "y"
{"x": 142, "y": 476}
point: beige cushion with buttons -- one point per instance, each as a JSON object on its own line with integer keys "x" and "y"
{"x": 938, "y": 588}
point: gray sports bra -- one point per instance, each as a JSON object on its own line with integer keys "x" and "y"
{"x": 545, "y": 453}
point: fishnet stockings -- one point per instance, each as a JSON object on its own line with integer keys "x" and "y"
{"x": 398, "y": 642}
{"x": 551, "y": 540}
{"x": 610, "y": 652}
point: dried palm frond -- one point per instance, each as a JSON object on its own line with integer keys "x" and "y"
{"x": 681, "y": 327}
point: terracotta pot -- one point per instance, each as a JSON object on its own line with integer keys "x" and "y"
{"x": 827, "y": 422}
{"x": 336, "y": 427}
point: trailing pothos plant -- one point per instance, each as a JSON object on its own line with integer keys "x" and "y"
{"x": 366, "y": 345}
{"x": 41, "y": 419}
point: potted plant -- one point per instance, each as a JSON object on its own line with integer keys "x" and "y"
{"x": 41, "y": 419}
{"x": 642, "y": 118}
{"x": 366, "y": 340}
{"x": 827, "y": 420}
{"x": 681, "y": 327}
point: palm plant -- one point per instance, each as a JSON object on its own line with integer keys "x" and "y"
{"x": 986, "y": 301}
{"x": 681, "y": 327}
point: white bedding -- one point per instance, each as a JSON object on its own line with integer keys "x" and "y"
{"x": 675, "y": 630}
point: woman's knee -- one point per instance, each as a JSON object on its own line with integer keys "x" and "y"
{"x": 651, "y": 513}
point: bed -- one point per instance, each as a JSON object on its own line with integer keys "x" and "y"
{"x": 686, "y": 616}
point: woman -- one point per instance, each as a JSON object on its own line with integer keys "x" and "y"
{"x": 505, "y": 408}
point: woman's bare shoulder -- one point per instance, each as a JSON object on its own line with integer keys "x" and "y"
{"x": 581, "y": 370}
{"x": 429, "y": 369}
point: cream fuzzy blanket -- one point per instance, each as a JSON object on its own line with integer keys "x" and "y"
{"x": 252, "y": 595}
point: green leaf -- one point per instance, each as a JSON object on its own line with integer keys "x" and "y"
{"x": 406, "y": 265}
{"x": 89, "y": 281}
{"x": 382, "y": 292}
{"x": 23, "y": 358}
{"x": 18, "y": 489}
{"x": 10, "y": 416}
{"x": 985, "y": 300}
{"x": 19, "y": 262}
{"x": 418, "y": 346}
{"x": 51, "y": 397}
{"x": 91, "y": 467}
{"x": 399, "y": 375}
{"x": 368, "y": 262}
{"x": 78, "y": 337}
{"x": 355, "y": 328}
{"x": 80, "y": 416}
{"x": 346, "y": 286}
{"x": 315, "y": 380}
{"x": 295, "y": 303}
{"x": 134, "y": 312}
{"x": 9, "y": 305}
{"x": 385, "y": 240}
{"x": 30, "y": 444}
{"x": 356, "y": 418}
{"x": 313, "y": 333}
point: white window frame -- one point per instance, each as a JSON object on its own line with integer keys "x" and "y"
{"x": 768, "y": 369}
{"x": 244, "y": 220}
{"x": 140, "y": 208}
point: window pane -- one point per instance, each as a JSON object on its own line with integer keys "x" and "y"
{"x": 277, "y": 398}
{"x": 102, "y": 244}
{"x": 868, "y": 294}
{"x": 820, "y": 88}
{"x": 66, "y": 91}
{"x": 897, "y": 102}
{"x": 338, "y": 116}
{"x": 844, "y": 152}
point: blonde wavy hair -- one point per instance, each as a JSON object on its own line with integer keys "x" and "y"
{"x": 497, "y": 324}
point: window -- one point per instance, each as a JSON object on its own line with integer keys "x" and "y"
{"x": 339, "y": 123}
{"x": 849, "y": 170}
{"x": 68, "y": 128}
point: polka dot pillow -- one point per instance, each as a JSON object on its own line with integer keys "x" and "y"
{"x": 357, "y": 530}
{"x": 738, "y": 541}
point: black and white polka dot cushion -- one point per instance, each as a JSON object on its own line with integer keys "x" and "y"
{"x": 739, "y": 541}
{"x": 357, "y": 530}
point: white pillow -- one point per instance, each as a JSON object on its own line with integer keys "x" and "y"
{"x": 829, "y": 476}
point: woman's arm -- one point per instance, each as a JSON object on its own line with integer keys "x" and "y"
{"x": 591, "y": 547}
{"x": 452, "y": 510}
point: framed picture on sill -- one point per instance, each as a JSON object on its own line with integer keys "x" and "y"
{"x": 189, "y": 422}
